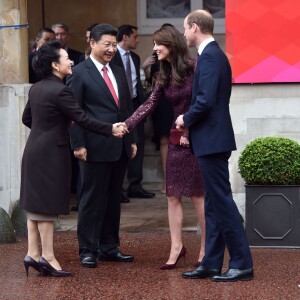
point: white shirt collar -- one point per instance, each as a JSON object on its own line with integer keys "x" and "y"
{"x": 98, "y": 65}
{"x": 121, "y": 50}
{"x": 204, "y": 44}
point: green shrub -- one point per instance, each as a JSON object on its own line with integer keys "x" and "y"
{"x": 270, "y": 161}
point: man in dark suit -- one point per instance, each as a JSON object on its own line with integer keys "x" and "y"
{"x": 102, "y": 91}
{"x": 44, "y": 36}
{"x": 212, "y": 139}
{"x": 62, "y": 34}
{"x": 127, "y": 40}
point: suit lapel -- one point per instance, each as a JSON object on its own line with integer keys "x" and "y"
{"x": 95, "y": 74}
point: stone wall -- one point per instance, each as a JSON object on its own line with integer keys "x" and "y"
{"x": 257, "y": 111}
{"x": 12, "y": 141}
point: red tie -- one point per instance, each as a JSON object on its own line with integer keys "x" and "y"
{"x": 109, "y": 84}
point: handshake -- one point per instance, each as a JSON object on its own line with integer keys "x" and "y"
{"x": 119, "y": 129}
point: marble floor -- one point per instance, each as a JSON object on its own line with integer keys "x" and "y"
{"x": 144, "y": 234}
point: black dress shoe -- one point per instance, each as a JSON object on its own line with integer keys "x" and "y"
{"x": 200, "y": 272}
{"x": 89, "y": 262}
{"x": 234, "y": 275}
{"x": 124, "y": 199}
{"x": 148, "y": 193}
{"x": 116, "y": 257}
{"x": 137, "y": 191}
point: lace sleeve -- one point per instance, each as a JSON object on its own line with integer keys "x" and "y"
{"x": 146, "y": 108}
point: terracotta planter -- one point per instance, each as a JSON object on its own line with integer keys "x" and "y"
{"x": 273, "y": 215}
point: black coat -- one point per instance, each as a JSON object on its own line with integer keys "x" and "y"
{"x": 117, "y": 60}
{"x": 46, "y": 169}
{"x": 75, "y": 56}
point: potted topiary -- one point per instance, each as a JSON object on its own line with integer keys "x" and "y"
{"x": 270, "y": 167}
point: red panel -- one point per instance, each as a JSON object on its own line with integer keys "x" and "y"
{"x": 262, "y": 40}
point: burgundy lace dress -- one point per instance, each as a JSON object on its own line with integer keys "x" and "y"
{"x": 183, "y": 176}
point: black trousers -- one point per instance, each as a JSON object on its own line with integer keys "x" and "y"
{"x": 99, "y": 207}
{"x": 135, "y": 166}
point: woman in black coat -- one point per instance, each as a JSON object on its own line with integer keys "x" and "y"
{"x": 46, "y": 169}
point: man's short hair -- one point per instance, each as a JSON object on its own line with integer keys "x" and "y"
{"x": 60, "y": 25}
{"x": 102, "y": 29}
{"x": 42, "y": 30}
{"x": 125, "y": 29}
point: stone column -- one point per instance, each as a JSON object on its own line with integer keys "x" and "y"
{"x": 14, "y": 41}
{"x": 13, "y": 96}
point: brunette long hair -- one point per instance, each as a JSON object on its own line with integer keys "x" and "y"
{"x": 179, "y": 62}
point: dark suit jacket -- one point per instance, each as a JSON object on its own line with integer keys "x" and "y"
{"x": 75, "y": 56}
{"x": 208, "y": 117}
{"x": 93, "y": 95}
{"x": 46, "y": 169}
{"x": 117, "y": 60}
{"x": 33, "y": 77}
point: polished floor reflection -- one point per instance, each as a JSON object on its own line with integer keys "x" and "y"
{"x": 145, "y": 235}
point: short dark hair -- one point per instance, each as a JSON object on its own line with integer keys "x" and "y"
{"x": 125, "y": 29}
{"x": 46, "y": 55}
{"x": 91, "y": 27}
{"x": 42, "y": 30}
{"x": 102, "y": 29}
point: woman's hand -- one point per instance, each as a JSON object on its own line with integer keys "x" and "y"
{"x": 148, "y": 62}
{"x": 119, "y": 129}
{"x": 184, "y": 142}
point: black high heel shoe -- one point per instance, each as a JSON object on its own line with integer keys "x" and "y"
{"x": 30, "y": 262}
{"x": 48, "y": 270}
{"x": 182, "y": 253}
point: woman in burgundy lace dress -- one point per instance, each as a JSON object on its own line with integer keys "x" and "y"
{"x": 183, "y": 176}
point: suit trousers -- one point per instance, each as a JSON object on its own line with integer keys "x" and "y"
{"x": 224, "y": 227}
{"x": 135, "y": 166}
{"x": 100, "y": 206}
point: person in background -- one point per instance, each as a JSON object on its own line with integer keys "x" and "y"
{"x": 129, "y": 61}
{"x": 102, "y": 91}
{"x": 209, "y": 123}
{"x": 62, "y": 34}
{"x": 162, "y": 116}
{"x": 44, "y": 36}
{"x": 88, "y": 32}
{"x": 88, "y": 49}
{"x": 46, "y": 169}
{"x": 183, "y": 176}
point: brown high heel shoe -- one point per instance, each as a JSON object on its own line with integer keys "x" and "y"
{"x": 30, "y": 262}
{"x": 48, "y": 270}
{"x": 182, "y": 253}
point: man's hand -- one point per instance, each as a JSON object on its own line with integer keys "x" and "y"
{"x": 119, "y": 130}
{"x": 133, "y": 150}
{"x": 180, "y": 123}
{"x": 81, "y": 153}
